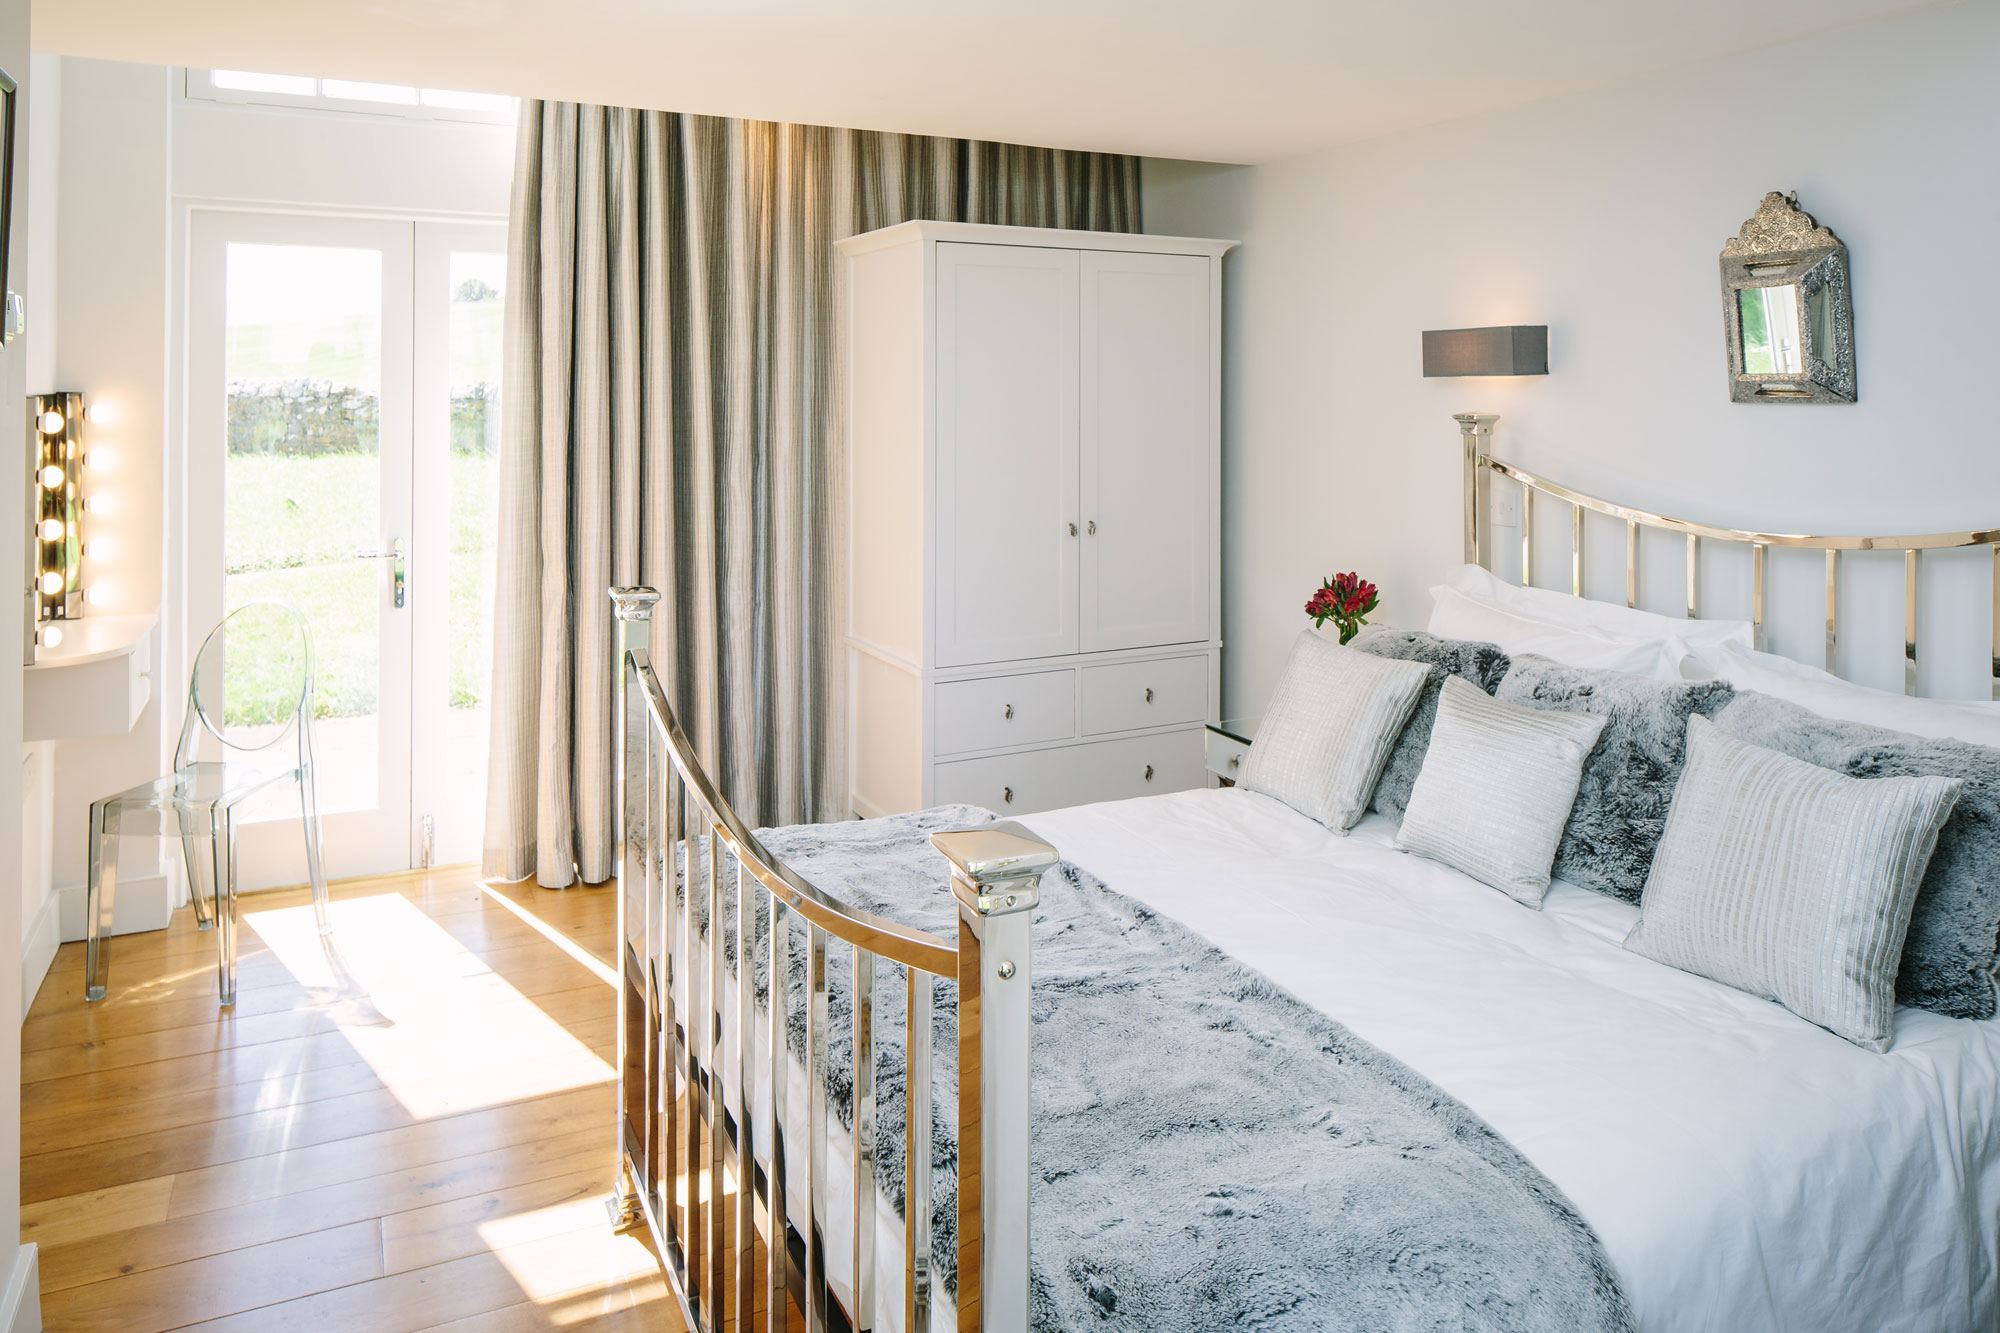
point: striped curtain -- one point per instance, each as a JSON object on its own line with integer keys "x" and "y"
{"x": 673, "y": 418}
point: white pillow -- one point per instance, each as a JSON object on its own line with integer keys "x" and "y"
{"x": 1561, "y": 608}
{"x": 1830, "y": 696}
{"x": 1496, "y": 788}
{"x": 1457, "y": 616}
{"x": 1330, "y": 726}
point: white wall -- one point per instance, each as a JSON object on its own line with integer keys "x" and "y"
{"x": 1601, "y": 215}
{"x": 20, "y": 1304}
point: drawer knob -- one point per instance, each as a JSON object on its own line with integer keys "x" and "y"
{"x": 1149, "y": 694}
{"x": 1091, "y": 527}
{"x": 1149, "y": 772}
{"x": 1008, "y": 713}
{"x": 1236, "y": 761}
{"x": 1072, "y": 529}
{"x": 1007, "y": 795}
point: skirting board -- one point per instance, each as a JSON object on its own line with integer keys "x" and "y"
{"x": 21, "y": 1305}
{"x": 143, "y": 902}
{"x": 38, "y": 948}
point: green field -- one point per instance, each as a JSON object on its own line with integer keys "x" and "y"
{"x": 292, "y": 525}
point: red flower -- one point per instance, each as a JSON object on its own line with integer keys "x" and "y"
{"x": 1346, "y": 599}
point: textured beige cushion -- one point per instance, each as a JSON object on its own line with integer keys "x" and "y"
{"x": 1331, "y": 724}
{"x": 1791, "y": 881}
{"x": 1496, "y": 788}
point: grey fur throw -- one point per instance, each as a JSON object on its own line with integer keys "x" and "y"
{"x": 1628, "y": 782}
{"x": 1948, "y": 957}
{"x": 1208, "y": 1152}
{"x": 1481, "y": 663}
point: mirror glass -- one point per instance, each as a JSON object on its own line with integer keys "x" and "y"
{"x": 1770, "y": 318}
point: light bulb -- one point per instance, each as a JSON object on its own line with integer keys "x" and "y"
{"x": 51, "y": 635}
{"x": 97, "y": 504}
{"x": 99, "y": 548}
{"x": 52, "y": 529}
{"x": 97, "y": 594}
{"x": 52, "y": 583}
{"x": 52, "y": 477}
{"x": 100, "y": 458}
{"x": 100, "y": 414}
{"x": 52, "y": 423}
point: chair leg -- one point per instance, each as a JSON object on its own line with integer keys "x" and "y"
{"x": 223, "y": 822}
{"x": 315, "y": 870}
{"x": 202, "y": 918}
{"x": 102, "y": 888}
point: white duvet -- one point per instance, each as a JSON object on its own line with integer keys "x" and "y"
{"x": 1744, "y": 1169}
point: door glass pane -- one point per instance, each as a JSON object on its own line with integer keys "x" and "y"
{"x": 478, "y": 301}
{"x": 302, "y": 487}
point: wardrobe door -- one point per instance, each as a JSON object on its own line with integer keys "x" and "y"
{"x": 1147, "y": 470}
{"x": 1006, "y": 453}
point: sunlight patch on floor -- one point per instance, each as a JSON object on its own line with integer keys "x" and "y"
{"x": 440, "y": 1028}
{"x": 603, "y": 971}
{"x": 568, "y": 1258}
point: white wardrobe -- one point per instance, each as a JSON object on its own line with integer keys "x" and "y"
{"x": 1033, "y": 514}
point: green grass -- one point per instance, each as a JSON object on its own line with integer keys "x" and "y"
{"x": 291, "y": 528}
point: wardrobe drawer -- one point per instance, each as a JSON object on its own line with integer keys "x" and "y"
{"x": 1131, "y": 695}
{"x": 1074, "y": 774}
{"x": 1005, "y": 710}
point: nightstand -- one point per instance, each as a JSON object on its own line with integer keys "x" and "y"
{"x": 1224, "y": 745}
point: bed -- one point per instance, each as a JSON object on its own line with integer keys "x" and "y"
{"x": 1739, "y": 1166}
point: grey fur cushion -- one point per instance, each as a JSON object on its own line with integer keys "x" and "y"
{"x": 1629, "y": 779}
{"x": 1481, "y": 663}
{"x": 1948, "y": 962}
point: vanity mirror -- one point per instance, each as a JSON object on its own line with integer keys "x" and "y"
{"x": 1787, "y": 314}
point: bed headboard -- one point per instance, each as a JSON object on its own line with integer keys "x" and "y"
{"x": 1476, "y": 433}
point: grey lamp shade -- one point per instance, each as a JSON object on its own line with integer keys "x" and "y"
{"x": 1510, "y": 349}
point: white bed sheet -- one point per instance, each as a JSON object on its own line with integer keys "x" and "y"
{"x": 1744, "y": 1169}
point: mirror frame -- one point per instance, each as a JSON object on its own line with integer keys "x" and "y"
{"x": 1781, "y": 246}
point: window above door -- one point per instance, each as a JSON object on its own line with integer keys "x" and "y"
{"x": 350, "y": 96}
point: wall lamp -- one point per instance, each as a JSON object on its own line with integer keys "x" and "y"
{"x": 55, "y": 437}
{"x": 1509, "y": 349}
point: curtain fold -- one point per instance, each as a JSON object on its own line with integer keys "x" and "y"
{"x": 673, "y": 417}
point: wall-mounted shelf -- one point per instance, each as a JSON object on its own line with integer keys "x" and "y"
{"x": 94, "y": 683}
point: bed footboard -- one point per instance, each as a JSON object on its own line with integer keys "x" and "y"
{"x": 698, "y": 1166}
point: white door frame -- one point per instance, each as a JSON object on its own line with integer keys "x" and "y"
{"x": 272, "y": 852}
{"x": 430, "y": 554}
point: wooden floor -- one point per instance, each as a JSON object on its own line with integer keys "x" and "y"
{"x": 411, "y": 1130}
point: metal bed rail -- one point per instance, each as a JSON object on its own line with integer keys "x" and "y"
{"x": 1476, "y": 431}
{"x": 688, "y": 1140}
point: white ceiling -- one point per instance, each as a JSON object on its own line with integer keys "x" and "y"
{"x": 1246, "y": 81}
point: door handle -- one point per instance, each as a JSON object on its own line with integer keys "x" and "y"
{"x": 395, "y": 553}
{"x": 1072, "y": 529}
{"x": 1091, "y": 527}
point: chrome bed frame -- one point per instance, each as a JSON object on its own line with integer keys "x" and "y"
{"x": 685, "y": 1124}
{"x": 1476, "y": 432}
{"x": 684, "y": 1106}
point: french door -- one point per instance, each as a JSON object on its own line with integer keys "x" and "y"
{"x": 343, "y": 412}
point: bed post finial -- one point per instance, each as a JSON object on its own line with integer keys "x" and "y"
{"x": 996, "y": 875}
{"x": 1475, "y": 429}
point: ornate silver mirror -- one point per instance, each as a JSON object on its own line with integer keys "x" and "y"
{"x": 1787, "y": 313}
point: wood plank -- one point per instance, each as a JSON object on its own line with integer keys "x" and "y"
{"x": 76, "y": 1217}
{"x": 163, "y": 1242}
{"x": 87, "y": 1093}
{"x": 580, "y": 1274}
{"x": 222, "y": 1284}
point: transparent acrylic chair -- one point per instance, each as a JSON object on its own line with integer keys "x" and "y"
{"x": 261, "y": 656}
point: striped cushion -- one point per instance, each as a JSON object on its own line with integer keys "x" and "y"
{"x": 1791, "y": 881}
{"x": 1496, "y": 788}
{"x": 1331, "y": 723}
